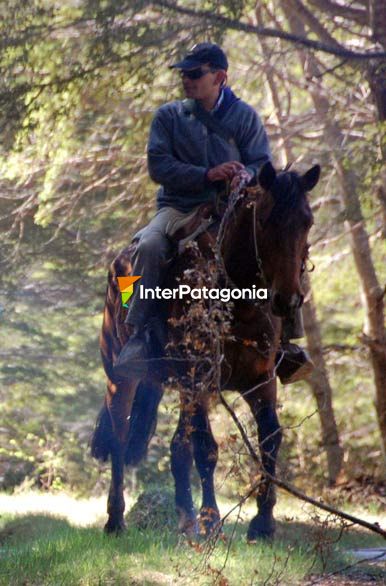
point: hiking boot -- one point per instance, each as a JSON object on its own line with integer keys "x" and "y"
{"x": 132, "y": 360}
{"x": 294, "y": 364}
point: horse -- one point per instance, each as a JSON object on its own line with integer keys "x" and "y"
{"x": 261, "y": 242}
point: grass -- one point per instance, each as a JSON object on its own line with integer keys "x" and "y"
{"x": 57, "y": 540}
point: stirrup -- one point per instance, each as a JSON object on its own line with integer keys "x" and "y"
{"x": 294, "y": 364}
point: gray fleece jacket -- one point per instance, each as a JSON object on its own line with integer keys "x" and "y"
{"x": 181, "y": 150}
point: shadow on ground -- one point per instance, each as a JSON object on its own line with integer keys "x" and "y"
{"x": 40, "y": 549}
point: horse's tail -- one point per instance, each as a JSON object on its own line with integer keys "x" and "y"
{"x": 109, "y": 343}
{"x": 103, "y": 440}
{"x": 143, "y": 421}
{"x": 143, "y": 416}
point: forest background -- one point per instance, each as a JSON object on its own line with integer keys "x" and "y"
{"x": 79, "y": 84}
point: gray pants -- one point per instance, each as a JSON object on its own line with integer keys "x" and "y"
{"x": 150, "y": 261}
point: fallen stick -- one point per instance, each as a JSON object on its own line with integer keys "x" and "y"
{"x": 292, "y": 489}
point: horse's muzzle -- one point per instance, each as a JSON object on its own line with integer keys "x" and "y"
{"x": 284, "y": 306}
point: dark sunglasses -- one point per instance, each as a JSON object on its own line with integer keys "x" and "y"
{"x": 194, "y": 73}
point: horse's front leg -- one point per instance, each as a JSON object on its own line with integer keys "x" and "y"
{"x": 263, "y": 405}
{"x": 119, "y": 401}
{"x": 205, "y": 450}
{"x": 181, "y": 465}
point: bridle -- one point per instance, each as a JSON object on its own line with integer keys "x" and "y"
{"x": 259, "y": 262}
{"x": 241, "y": 194}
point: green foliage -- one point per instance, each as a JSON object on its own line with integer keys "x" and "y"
{"x": 46, "y": 431}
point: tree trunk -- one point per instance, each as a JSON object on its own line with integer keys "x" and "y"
{"x": 376, "y": 74}
{"x": 377, "y": 69}
{"x": 319, "y": 381}
{"x": 321, "y": 388}
{"x": 374, "y": 328}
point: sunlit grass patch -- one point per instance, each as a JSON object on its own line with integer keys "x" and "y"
{"x": 68, "y": 555}
{"x": 58, "y": 546}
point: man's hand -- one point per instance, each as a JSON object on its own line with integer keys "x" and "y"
{"x": 225, "y": 171}
{"x": 242, "y": 175}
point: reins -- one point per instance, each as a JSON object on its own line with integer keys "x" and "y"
{"x": 236, "y": 195}
{"x": 260, "y": 271}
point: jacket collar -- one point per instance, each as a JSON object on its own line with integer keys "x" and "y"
{"x": 225, "y": 100}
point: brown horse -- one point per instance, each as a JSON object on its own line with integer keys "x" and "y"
{"x": 262, "y": 242}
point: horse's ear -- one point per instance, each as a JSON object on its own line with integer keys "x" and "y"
{"x": 267, "y": 175}
{"x": 311, "y": 178}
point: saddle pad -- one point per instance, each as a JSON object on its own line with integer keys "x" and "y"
{"x": 181, "y": 220}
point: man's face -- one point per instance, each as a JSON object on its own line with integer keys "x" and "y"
{"x": 207, "y": 86}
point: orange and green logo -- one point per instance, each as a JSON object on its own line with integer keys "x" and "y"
{"x": 126, "y": 287}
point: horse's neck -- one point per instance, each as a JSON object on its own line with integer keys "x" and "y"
{"x": 239, "y": 252}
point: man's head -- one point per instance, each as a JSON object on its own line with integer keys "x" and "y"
{"x": 203, "y": 71}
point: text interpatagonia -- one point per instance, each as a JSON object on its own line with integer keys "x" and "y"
{"x": 183, "y": 291}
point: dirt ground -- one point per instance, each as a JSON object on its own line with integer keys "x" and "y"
{"x": 351, "y": 579}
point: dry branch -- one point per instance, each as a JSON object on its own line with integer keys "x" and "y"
{"x": 374, "y": 527}
{"x": 270, "y": 32}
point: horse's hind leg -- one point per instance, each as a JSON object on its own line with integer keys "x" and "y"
{"x": 263, "y": 407}
{"x": 116, "y": 501}
{"x": 119, "y": 402}
{"x": 181, "y": 464}
{"x": 205, "y": 451}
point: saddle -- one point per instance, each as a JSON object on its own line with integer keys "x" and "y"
{"x": 188, "y": 227}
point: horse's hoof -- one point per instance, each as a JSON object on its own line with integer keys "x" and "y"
{"x": 189, "y": 528}
{"x": 261, "y": 529}
{"x": 114, "y": 527}
{"x": 210, "y": 522}
{"x": 187, "y": 523}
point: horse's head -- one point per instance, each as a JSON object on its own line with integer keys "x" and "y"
{"x": 282, "y": 221}
{"x": 264, "y": 242}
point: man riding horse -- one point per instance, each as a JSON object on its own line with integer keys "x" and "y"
{"x": 199, "y": 149}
